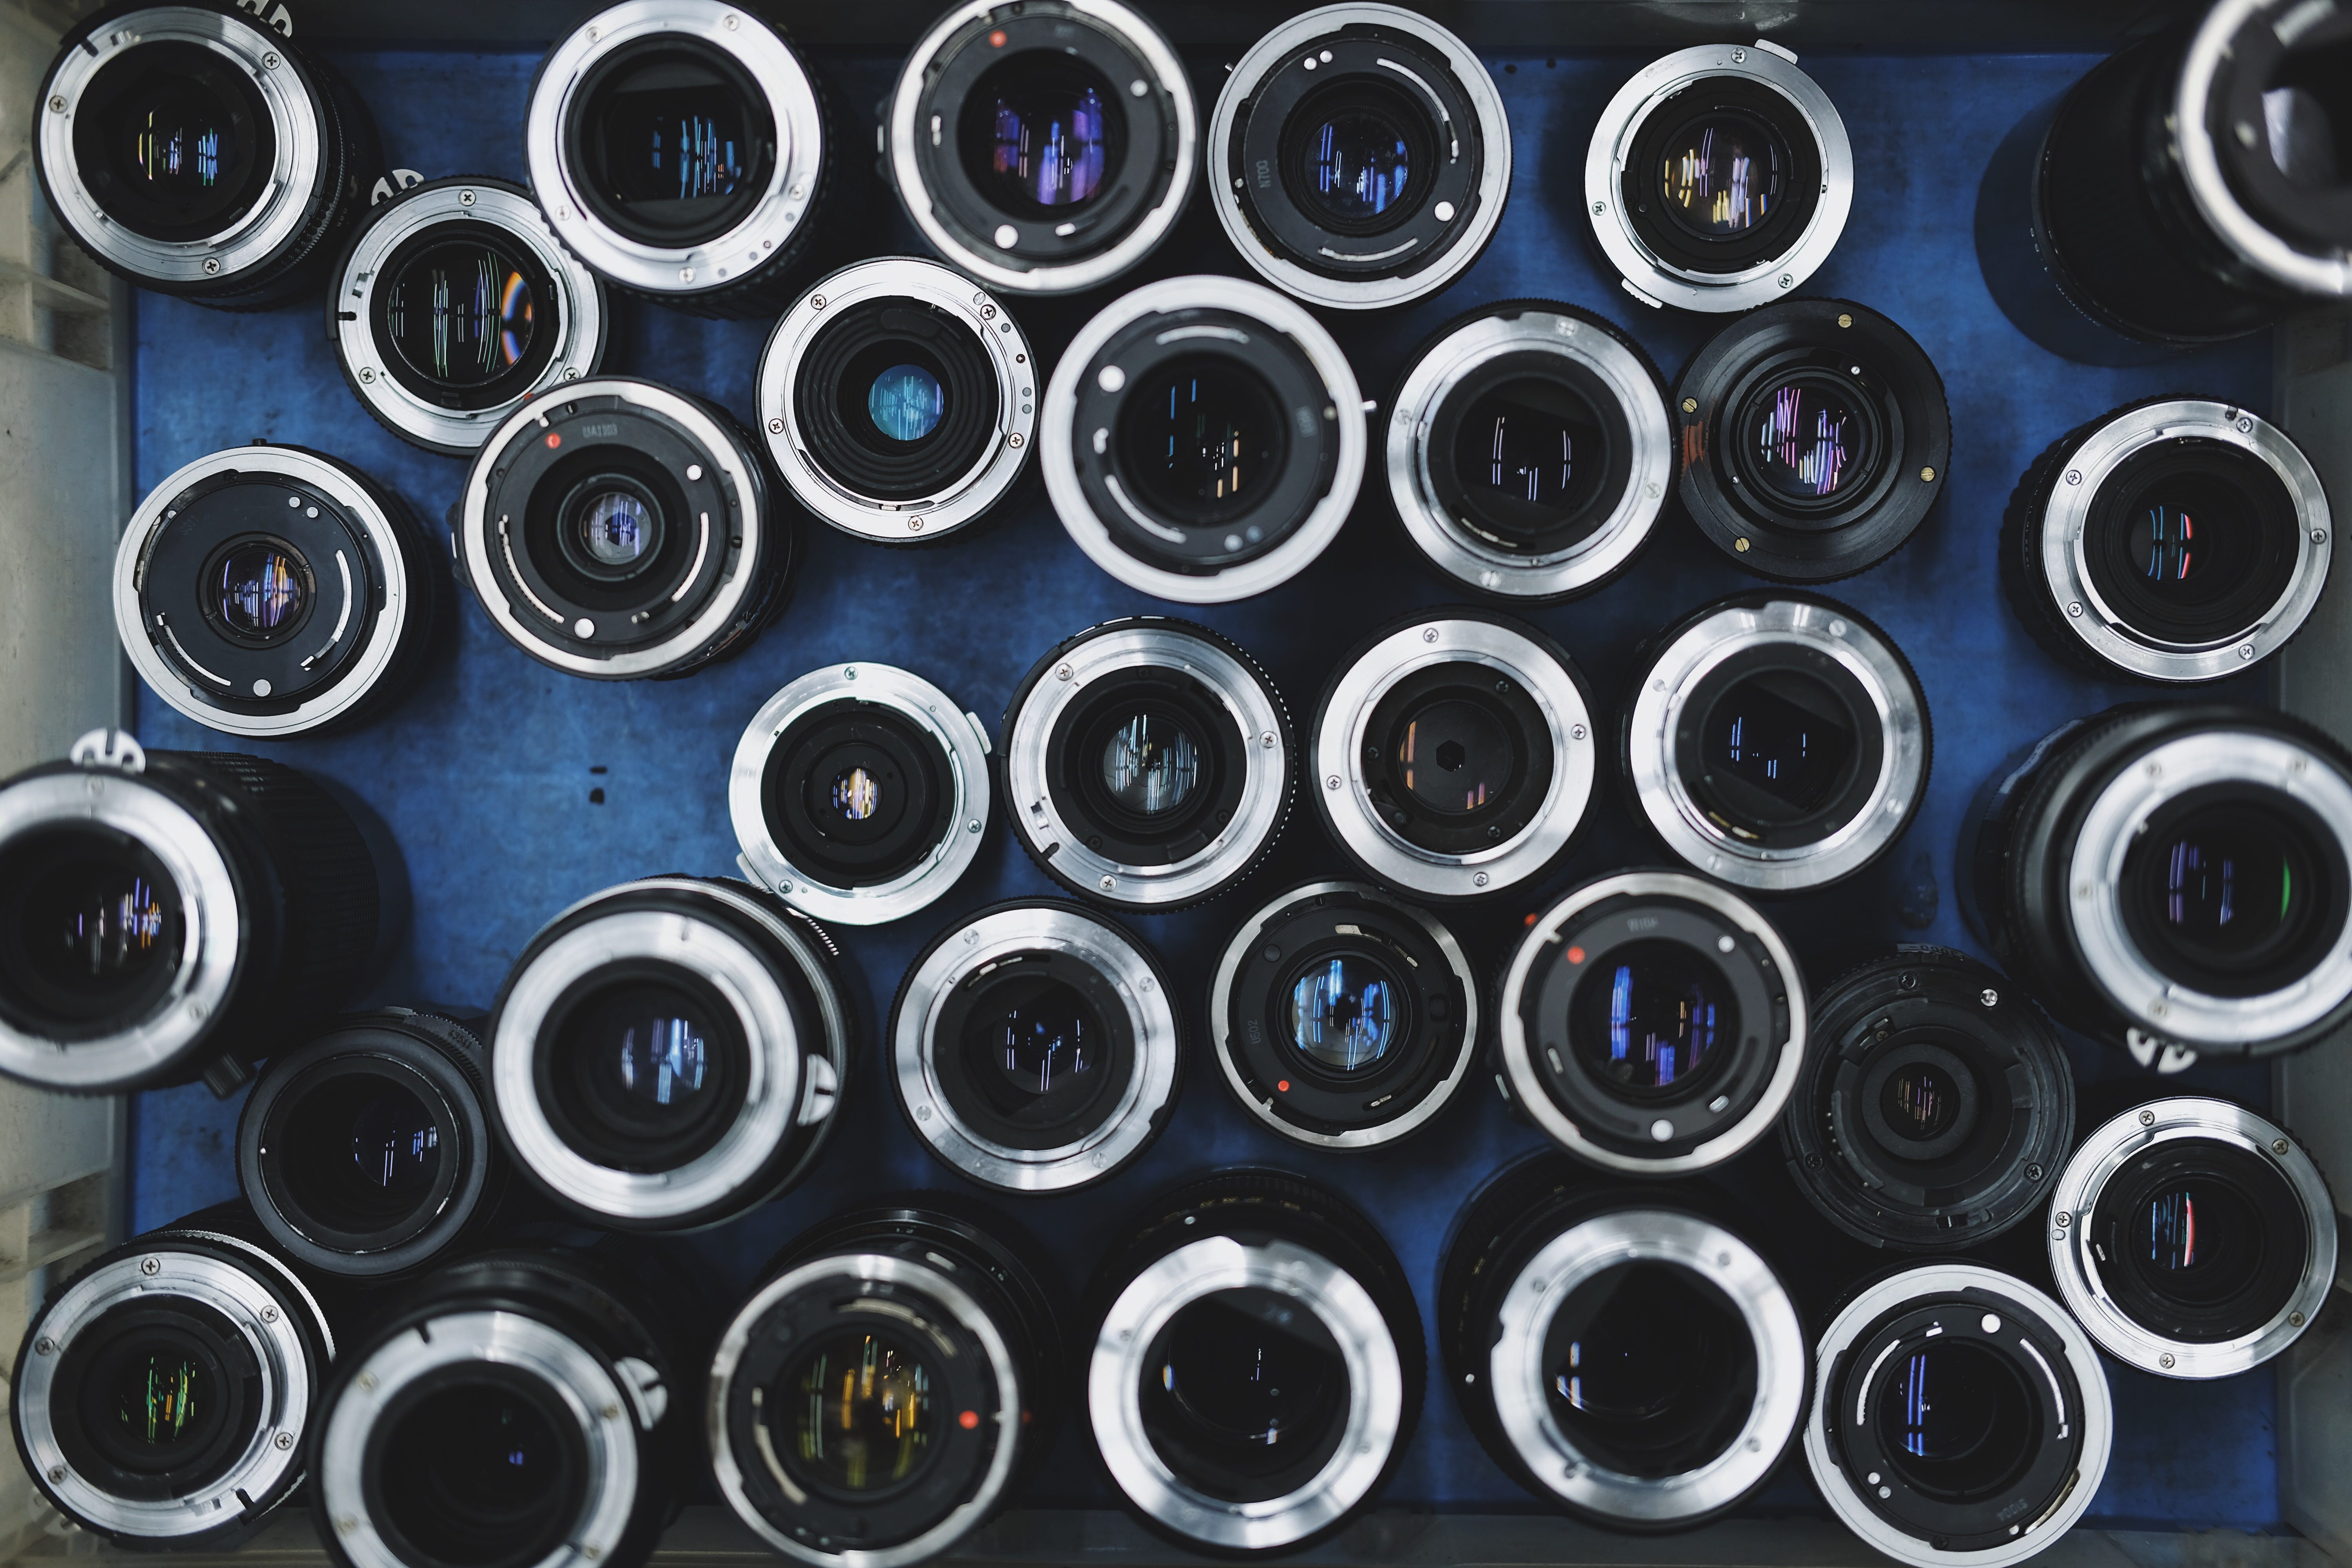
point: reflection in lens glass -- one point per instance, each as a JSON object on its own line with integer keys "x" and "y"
{"x": 1041, "y": 1035}
{"x": 1917, "y": 1102}
{"x": 676, "y": 143}
{"x": 862, "y": 1411}
{"x": 1720, "y": 176}
{"x": 261, "y": 592}
{"x": 2172, "y": 1229}
{"x": 1942, "y": 1405}
{"x": 856, "y": 794}
{"x": 1048, "y": 147}
{"x": 1362, "y": 165}
{"x": 2229, "y": 884}
{"x": 615, "y": 526}
{"x": 662, "y": 1059}
{"x": 1456, "y": 755}
{"x": 2164, "y": 540}
{"x": 472, "y": 1459}
{"x": 1650, "y": 1018}
{"x": 906, "y": 403}
{"x": 1203, "y": 434}
{"x": 460, "y": 314}
{"x": 2309, "y": 143}
{"x": 1343, "y": 1011}
{"x": 1248, "y": 1370}
{"x": 1787, "y": 749}
{"x": 96, "y": 922}
{"x": 177, "y": 146}
{"x": 158, "y": 1395}
{"x": 1151, "y": 764}
{"x": 395, "y": 1144}
{"x": 1807, "y": 441}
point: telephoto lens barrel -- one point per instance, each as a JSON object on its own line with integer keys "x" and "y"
{"x": 1342, "y": 1016}
{"x": 682, "y": 149}
{"x": 1652, "y": 1023}
{"x": 1960, "y": 1418}
{"x": 1530, "y": 451}
{"x": 1619, "y": 1352}
{"x": 199, "y": 151}
{"x": 668, "y": 1053}
{"x": 453, "y": 303}
{"x": 1257, "y": 1367}
{"x": 1358, "y": 156}
{"x": 1041, "y": 147}
{"x": 366, "y": 1151}
{"x": 166, "y": 916}
{"x": 1718, "y": 178}
{"x": 2192, "y": 1239}
{"x": 896, "y": 1375}
{"x": 1203, "y": 439}
{"x": 2175, "y": 879}
{"x": 1777, "y": 741}
{"x": 156, "y": 1392}
{"x": 273, "y": 591}
{"x": 625, "y": 531}
{"x": 1935, "y": 1106}
{"x": 2177, "y": 540}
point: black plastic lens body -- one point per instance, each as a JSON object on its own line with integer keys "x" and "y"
{"x": 1815, "y": 437}
{"x": 2172, "y": 878}
{"x": 1281, "y": 1375}
{"x": 197, "y": 152}
{"x": 1936, "y": 1103}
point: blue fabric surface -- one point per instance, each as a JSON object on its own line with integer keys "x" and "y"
{"x": 485, "y": 773}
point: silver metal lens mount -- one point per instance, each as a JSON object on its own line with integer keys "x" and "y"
{"x": 1230, "y": 300}
{"x": 1457, "y": 544}
{"x": 2093, "y": 1419}
{"x": 1002, "y": 442}
{"x": 1116, "y": 1369}
{"x": 2110, "y": 826}
{"x": 1520, "y": 1374}
{"x": 2085, "y": 1276}
{"x": 1293, "y": 48}
{"x": 1661, "y": 724}
{"x": 1652, "y": 278}
{"x": 791, "y": 1083}
{"x": 1495, "y": 650}
{"x": 2106, "y": 629}
{"x": 771, "y": 224}
{"x": 1131, "y": 1111}
{"x": 573, "y": 317}
{"x": 962, "y": 747}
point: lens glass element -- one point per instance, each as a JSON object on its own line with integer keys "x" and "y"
{"x": 1151, "y": 764}
{"x": 614, "y": 528}
{"x": 2231, "y": 882}
{"x": 263, "y": 590}
{"x": 1043, "y": 140}
{"x": 906, "y": 403}
{"x": 1646, "y": 1019}
{"x": 1721, "y": 173}
{"x": 1958, "y": 1421}
{"x": 1809, "y": 439}
{"x": 1919, "y": 1101}
{"x": 460, "y": 315}
{"x": 1241, "y": 1385}
{"x": 159, "y": 1395}
{"x": 1532, "y": 441}
{"x": 395, "y": 1144}
{"x": 1361, "y": 165}
{"x": 1773, "y": 731}
{"x": 861, "y": 1417}
{"x": 475, "y": 1474}
{"x": 1650, "y": 1368}
{"x": 1345, "y": 1011}
{"x": 96, "y": 924}
{"x": 1202, "y": 437}
{"x": 2197, "y": 1241}
{"x": 1030, "y": 1038}
{"x": 668, "y": 139}
{"x": 1456, "y": 756}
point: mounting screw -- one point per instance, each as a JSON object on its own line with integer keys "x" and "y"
{"x": 367, "y": 375}
{"x": 2245, "y": 650}
{"x": 1598, "y": 207}
{"x": 1690, "y": 405}
{"x": 2034, "y": 1173}
{"x": 2280, "y": 1145}
{"x": 775, "y": 427}
{"x": 1331, "y": 782}
{"x": 1108, "y": 883}
{"x": 465, "y": 198}
{"x": 151, "y": 1266}
{"x": 1429, "y": 634}
{"x": 58, "y": 104}
{"x": 1479, "y": 881}
{"x": 1927, "y": 476}
{"x": 1844, "y": 320}
{"x": 730, "y": 21}
{"x": 2074, "y": 476}
{"x": 2075, "y": 609}
{"x": 1988, "y": 997}
{"x": 1740, "y": 545}
{"x": 2319, "y": 536}
{"x": 212, "y": 265}
{"x": 57, "y": 1473}
{"x": 1788, "y": 279}
{"x": 269, "y": 1314}
{"x": 2245, "y": 426}
{"x": 1062, "y": 672}
{"x": 366, "y": 1381}
{"x": 2165, "y": 1361}
{"x": 2295, "y": 1320}
{"x": 2148, "y": 1119}
{"x": 1576, "y": 731}
{"x": 1269, "y": 740}
{"x": 1738, "y": 56}
{"x": 816, "y": 302}
{"x": 271, "y": 60}
{"x": 1813, "y": 1162}
{"x": 284, "y": 1440}
{"x": 44, "y": 1346}
{"x": 2065, "y": 1220}
{"x": 1015, "y": 439}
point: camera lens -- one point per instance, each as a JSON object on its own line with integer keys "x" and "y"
{"x": 1933, "y": 1101}
{"x": 2172, "y": 878}
{"x": 1652, "y": 1023}
{"x": 1778, "y": 741}
{"x": 200, "y": 153}
{"x": 625, "y": 532}
{"x": 1148, "y": 763}
{"x": 2188, "y": 540}
{"x": 1257, "y": 1368}
{"x": 898, "y": 400}
{"x": 1530, "y": 451}
{"x": 1462, "y": 744}
{"x": 512, "y": 1406}
{"x": 1714, "y": 174}
{"x": 1623, "y": 1356}
{"x": 197, "y": 912}
{"x": 1975, "y": 1401}
{"x": 2197, "y": 1238}
{"x": 1343, "y": 1019}
{"x": 1041, "y": 148}
{"x": 454, "y": 303}
{"x": 1203, "y": 439}
{"x": 1036, "y": 1046}
{"x": 272, "y": 591}
{"x": 1364, "y": 156}
{"x": 146, "y": 1388}
{"x": 682, "y": 152}
{"x": 668, "y": 1053}
{"x": 900, "y": 1355}
{"x": 1815, "y": 437}
{"x": 860, "y": 792}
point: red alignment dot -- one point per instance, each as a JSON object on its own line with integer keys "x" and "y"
{"x": 968, "y": 1420}
{"x": 1576, "y": 956}
{"x": 553, "y": 439}
{"x": 996, "y": 39}
{"x": 1284, "y": 1086}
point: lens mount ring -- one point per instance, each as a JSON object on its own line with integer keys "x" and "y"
{"x": 1282, "y": 317}
{"x": 1278, "y": 51}
{"x": 1342, "y": 726}
{"x": 1151, "y": 1301}
{"x": 2072, "y": 1235}
{"x": 2022, "y": 1300}
{"x": 579, "y": 323}
{"x": 297, "y": 116}
{"x": 606, "y": 1415}
{"x": 1457, "y": 549}
{"x": 2163, "y": 1008}
{"x": 2065, "y": 567}
{"x": 1649, "y": 277}
{"x": 965, "y": 497}
{"x": 1793, "y": 619}
{"x": 962, "y": 954}
{"x": 402, "y": 581}
{"x": 963, "y": 744}
{"x": 772, "y": 228}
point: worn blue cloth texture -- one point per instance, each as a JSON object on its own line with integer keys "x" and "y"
{"x": 514, "y": 790}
